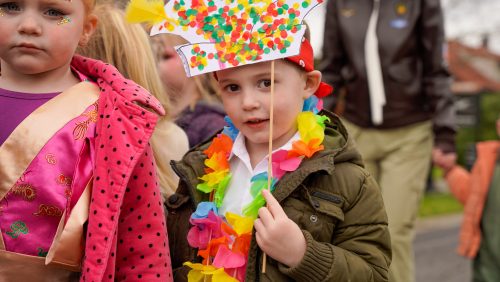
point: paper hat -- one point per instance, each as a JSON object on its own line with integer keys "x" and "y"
{"x": 227, "y": 33}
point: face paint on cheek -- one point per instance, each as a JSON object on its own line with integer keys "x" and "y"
{"x": 64, "y": 20}
{"x": 2, "y": 13}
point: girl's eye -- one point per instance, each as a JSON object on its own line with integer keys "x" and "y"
{"x": 9, "y": 6}
{"x": 231, "y": 88}
{"x": 54, "y": 13}
{"x": 265, "y": 83}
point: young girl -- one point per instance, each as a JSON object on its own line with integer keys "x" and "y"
{"x": 115, "y": 39}
{"x": 78, "y": 193}
{"x": 195, "y": 107}
{"x": 325, "y": 220}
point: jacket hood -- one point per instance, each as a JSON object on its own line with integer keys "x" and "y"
{"x": 338, "y": 143}
{"x": 106, "y": 75}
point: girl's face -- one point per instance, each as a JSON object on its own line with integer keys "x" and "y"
{"x": 172, "y": 70}
{"x": 245, "y": 93}
{"x": 40, "y": 36}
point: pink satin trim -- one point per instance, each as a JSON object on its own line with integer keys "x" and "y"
{"x": 52, "y": 181}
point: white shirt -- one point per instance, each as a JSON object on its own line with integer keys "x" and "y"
{"x": 374, "y": 68}
{"x": 238, "y": 191}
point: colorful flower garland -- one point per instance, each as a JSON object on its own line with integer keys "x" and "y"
{"x": 224, "y": 241}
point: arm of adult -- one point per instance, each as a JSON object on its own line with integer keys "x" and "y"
{"x": 333, "y": 52}
{"x": 436, "y": 78}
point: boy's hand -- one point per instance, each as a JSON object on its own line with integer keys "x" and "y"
{"x": 277, "y": 235}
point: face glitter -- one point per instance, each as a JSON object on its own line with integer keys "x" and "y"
{"x": 64, "y": 20}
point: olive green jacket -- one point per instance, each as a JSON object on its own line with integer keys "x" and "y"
{"x": 332, "y": 198}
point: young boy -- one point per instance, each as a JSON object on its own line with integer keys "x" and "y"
{"x": 325, "y": 220}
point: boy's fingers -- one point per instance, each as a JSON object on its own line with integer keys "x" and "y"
{"x": 259, "y": 228}
{"x": 273, "y": 206}
{"x": 266, "y": 217}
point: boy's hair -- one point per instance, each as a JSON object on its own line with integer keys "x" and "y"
{"x": 205, "y": 85}
{"x": 304, "y": 62}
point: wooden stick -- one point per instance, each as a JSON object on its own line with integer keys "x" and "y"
{"x": 270, "y": 158}
{"x": 208, "y": 256}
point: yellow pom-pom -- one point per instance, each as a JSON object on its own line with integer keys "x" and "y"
{"x": 149, "y": 11}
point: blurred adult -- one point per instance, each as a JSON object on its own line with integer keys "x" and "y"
{"x": 388, "y": 58}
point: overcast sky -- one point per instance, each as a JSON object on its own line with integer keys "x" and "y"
{"x": 467, "y": 20}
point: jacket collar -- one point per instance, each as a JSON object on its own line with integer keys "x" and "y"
{"x": 106, "y": 75}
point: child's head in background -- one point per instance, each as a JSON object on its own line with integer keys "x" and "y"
{"x": 183, "y": 91}
{"x": 38, "y": 39}
{"x": 245, "y": 93}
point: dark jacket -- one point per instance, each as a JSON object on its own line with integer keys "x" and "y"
{"x": 330, "y": 196}
{"x": 416, "y": 81}
{"x": 201, "y": 122}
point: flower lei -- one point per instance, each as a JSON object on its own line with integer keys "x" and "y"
{"x": 224, "y": 241}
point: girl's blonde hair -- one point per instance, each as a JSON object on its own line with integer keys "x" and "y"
{"x": 205, "y": 84}
{"x": 89, "y": 5}
{"x": 127, "y": 47}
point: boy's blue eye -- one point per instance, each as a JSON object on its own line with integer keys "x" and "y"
{"x": 10, "y": 6}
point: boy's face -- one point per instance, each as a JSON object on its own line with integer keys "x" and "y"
{"x": 245, "y": 93}
{"x": 38, "y": 36}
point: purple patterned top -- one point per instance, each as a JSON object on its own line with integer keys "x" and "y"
{"x": 15, "y": 107}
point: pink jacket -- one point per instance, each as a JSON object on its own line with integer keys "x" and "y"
{"x": 471, "y": 189}
{"x": 126, "y": 235}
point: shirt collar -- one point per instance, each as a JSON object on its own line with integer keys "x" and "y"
{"x": 239, "y": 149}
